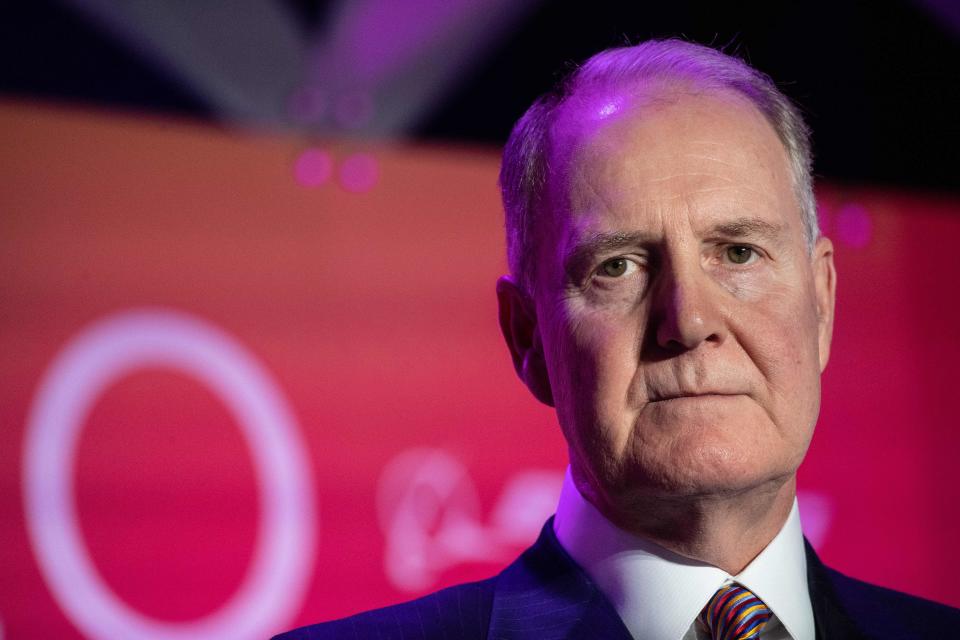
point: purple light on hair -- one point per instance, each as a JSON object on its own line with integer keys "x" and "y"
{"x": 854, "y": 226}
{"x": 359, "y": 172}
{"x": 313, "y": 168}
{"x": 609, "y": 108}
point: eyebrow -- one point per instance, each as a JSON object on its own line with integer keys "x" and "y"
{"x": 747, "y": 227}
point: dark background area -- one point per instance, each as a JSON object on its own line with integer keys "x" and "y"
{"x": 877, "y": 80}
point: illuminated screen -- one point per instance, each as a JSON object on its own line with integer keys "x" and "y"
{"x": 253, "y": 382}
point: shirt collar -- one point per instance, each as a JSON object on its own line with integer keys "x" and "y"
{"x": 658, "y": 593}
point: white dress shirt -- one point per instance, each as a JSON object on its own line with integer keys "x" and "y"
{"x": 659, "y": 594}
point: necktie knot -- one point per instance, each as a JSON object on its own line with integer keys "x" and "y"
{"x": 734, "y": 613}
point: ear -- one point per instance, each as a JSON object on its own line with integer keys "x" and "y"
{"x": 825, "y": 283}
{"x": 518, "y": 322}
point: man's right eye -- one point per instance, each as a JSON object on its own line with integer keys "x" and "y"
{"x": 617, "y": 267}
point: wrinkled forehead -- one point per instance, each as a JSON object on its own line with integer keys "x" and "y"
{"x": 590, "y": 109}
{"x": 597, "y": 128}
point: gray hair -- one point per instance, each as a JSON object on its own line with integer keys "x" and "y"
{"x": 523, "y": 174}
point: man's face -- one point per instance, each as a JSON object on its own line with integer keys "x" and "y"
{"x": 683, "y": 321}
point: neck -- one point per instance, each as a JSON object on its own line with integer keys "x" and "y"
{"x": 727, "y": 531}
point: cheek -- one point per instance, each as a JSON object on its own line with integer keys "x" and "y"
{"x": 607, "y": 340}
{"x": 779, "y": 335}
{"x": 592, "y": 358}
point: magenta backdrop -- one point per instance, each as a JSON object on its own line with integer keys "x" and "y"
{"x": 254, "y": 382}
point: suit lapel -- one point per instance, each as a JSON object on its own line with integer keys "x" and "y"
{"x": 830, "y": 619}
{"x": 544, "y": 595}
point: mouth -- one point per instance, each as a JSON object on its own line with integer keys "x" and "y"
{"x": 706, "y": 395}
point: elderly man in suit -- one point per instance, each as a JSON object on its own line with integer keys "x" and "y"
{"x": 671, "y": 296}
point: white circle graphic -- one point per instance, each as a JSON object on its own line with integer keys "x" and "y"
{"x": 282, "y": 563}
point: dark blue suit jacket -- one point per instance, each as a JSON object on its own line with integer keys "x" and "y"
{"x": 544, "y": 595}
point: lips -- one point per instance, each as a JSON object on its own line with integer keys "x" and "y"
{"x": 698, "y": 394}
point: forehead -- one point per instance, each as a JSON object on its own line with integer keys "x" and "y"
{"x": 615, "y": 154}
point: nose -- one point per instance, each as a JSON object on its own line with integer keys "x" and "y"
{"x": 686, "y": 308}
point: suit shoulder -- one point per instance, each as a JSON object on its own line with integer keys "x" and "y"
{"x": 461, "y": 611}
{"x": 883, "y": 612}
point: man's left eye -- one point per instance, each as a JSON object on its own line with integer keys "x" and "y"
{"x": 739, "y": 254}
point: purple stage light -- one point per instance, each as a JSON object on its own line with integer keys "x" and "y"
{"x": 313, "y": 167}
{"x": 854, "y": 227}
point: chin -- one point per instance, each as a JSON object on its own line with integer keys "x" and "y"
{"x": 702, "y": 471}
{"x": 725, "y": 445}
{"x": 685, "y": 450}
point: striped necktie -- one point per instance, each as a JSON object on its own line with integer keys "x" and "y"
{"x": 734, "y": 613}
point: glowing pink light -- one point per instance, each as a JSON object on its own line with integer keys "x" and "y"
{"x": 853, "y": 225}
{"x": 359, "y": 172}
{"x": 313, "y": 168}
{"x": 816, "y": 514}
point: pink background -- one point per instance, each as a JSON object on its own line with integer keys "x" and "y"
{"x": 358, "y": 280}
